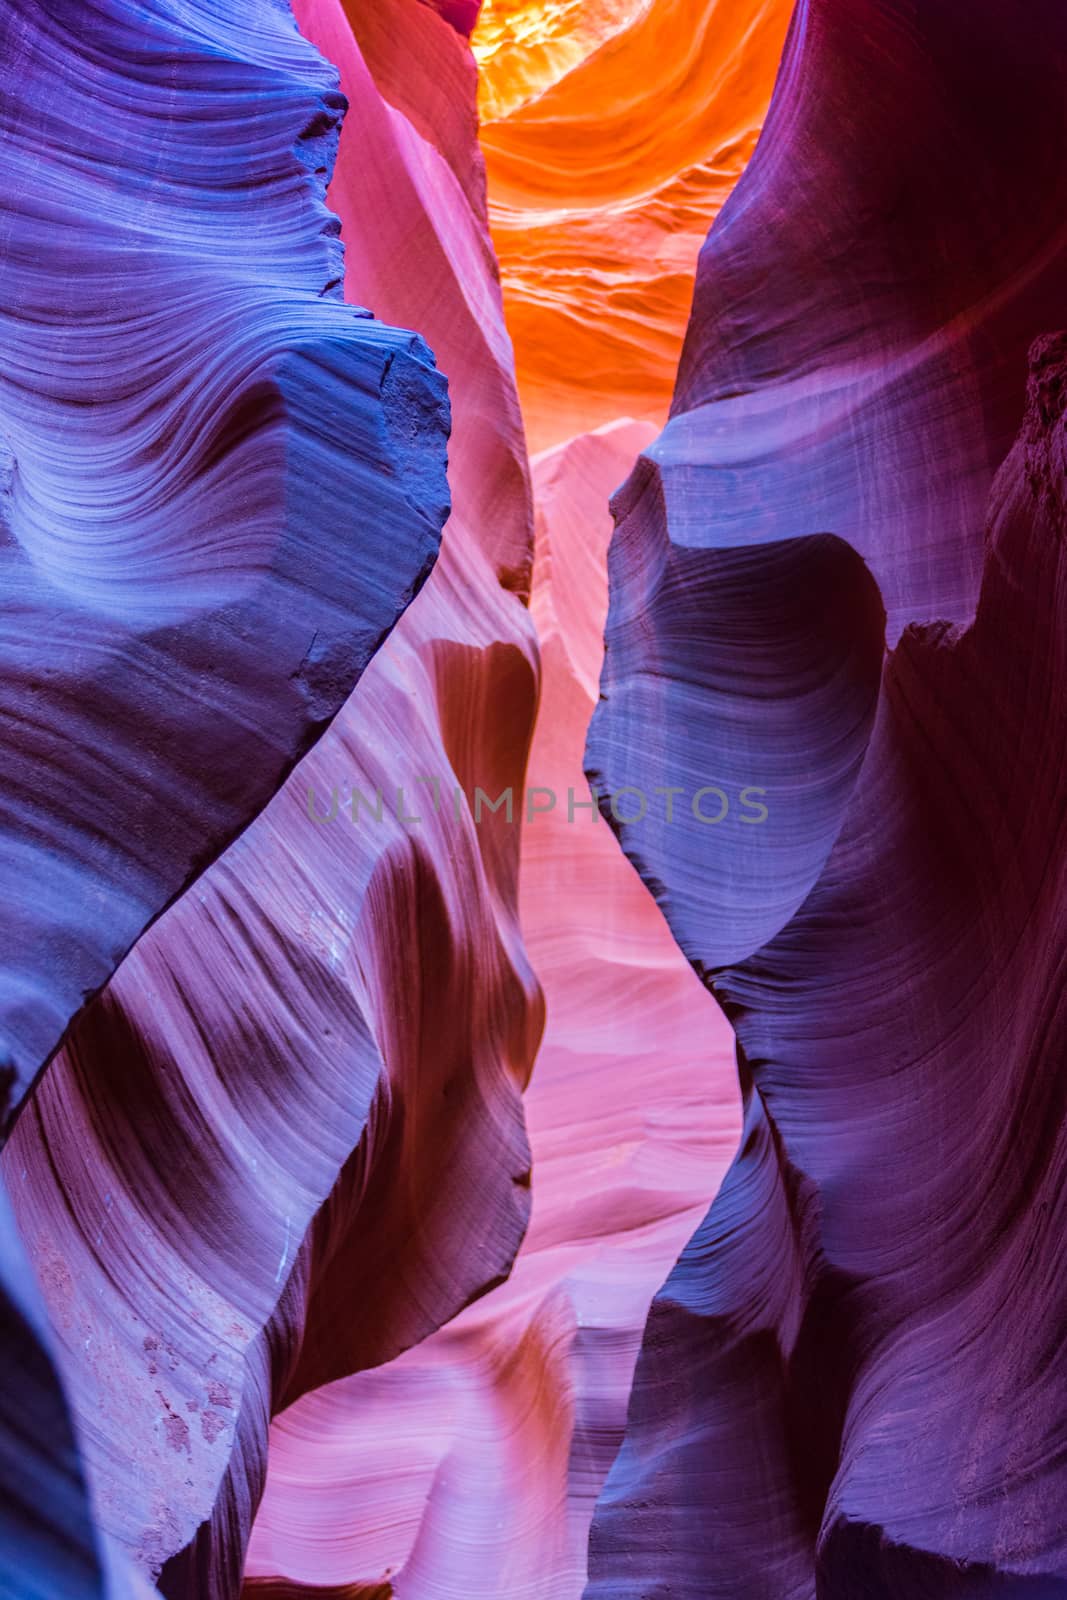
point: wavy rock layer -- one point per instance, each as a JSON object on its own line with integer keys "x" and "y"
{"x": 220, "y": 485}
{"x": 613, "y": 130}
{"x": 187, "y": 606}
{"x": 287, "y": 1141}
{"x": 848, "y": 1384}
{"x": 856, "y": 354}
{"x": 470, "y": 1466}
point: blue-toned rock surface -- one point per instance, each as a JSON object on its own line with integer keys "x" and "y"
{"x": 221, "y": 485}
{"x": 220, "y": 488}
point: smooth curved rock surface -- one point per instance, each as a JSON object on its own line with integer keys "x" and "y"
{"x": 306, "y": 1076}
{"x": 613, "y": 131}
{"x": 459, "y": 14}
{"x": 739, "y": 698}
{"x": 185, "y": 606}
{"x": 864, "y": 305}
{"x": 220, "y": 485}
{"x": 848, "y": 1383}
{"x": 47, "y": 1541}
{"x": 49, "y": 1545}
{"x": 469, "y": 1467}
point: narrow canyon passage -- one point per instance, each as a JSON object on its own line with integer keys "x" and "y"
{"x": 413, "y": 412}
{"x": 469, "y": 1467}
{"x": 379, "y": 989}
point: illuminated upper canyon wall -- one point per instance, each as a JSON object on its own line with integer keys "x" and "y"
{"x": 613, "y": 130}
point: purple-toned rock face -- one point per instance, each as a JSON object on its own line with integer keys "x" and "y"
{"x": 741, "y": 687}
{"x": 286, "y": 1141}
{"x": 47, "y": 1543}
{"x": 855, "y": 355}
{"x": 853, "y": 1378}
{"x": 220, "y": 484}
{"x": 852, "y": 376}
{"x": 852, "y": 1382}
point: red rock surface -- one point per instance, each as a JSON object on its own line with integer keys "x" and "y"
{"x": 470, "y": 1465}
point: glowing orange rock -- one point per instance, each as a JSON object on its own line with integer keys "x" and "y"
{"x": 613, "y": 130}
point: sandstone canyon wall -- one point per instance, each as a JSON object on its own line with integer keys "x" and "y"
{"x": 848, "y": 1384}
{"x": 480, "y": 1453}
{"x": 307, "y": 1073}
{"x": 478, "y": 1456}
{"x": 361, "y": 1130}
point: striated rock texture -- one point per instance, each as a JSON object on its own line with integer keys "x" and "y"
{"x": 48, "y": 1545}
{"x": 220, "y": 488}
{"x": 469, "y": 1467}
{"x": 286, "y": 1142}
{"x": 613, "y": 131}
{"x": 220, "y": 485}
{"x": 849, "y": 1384}
{"x": 864, "y": 305}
